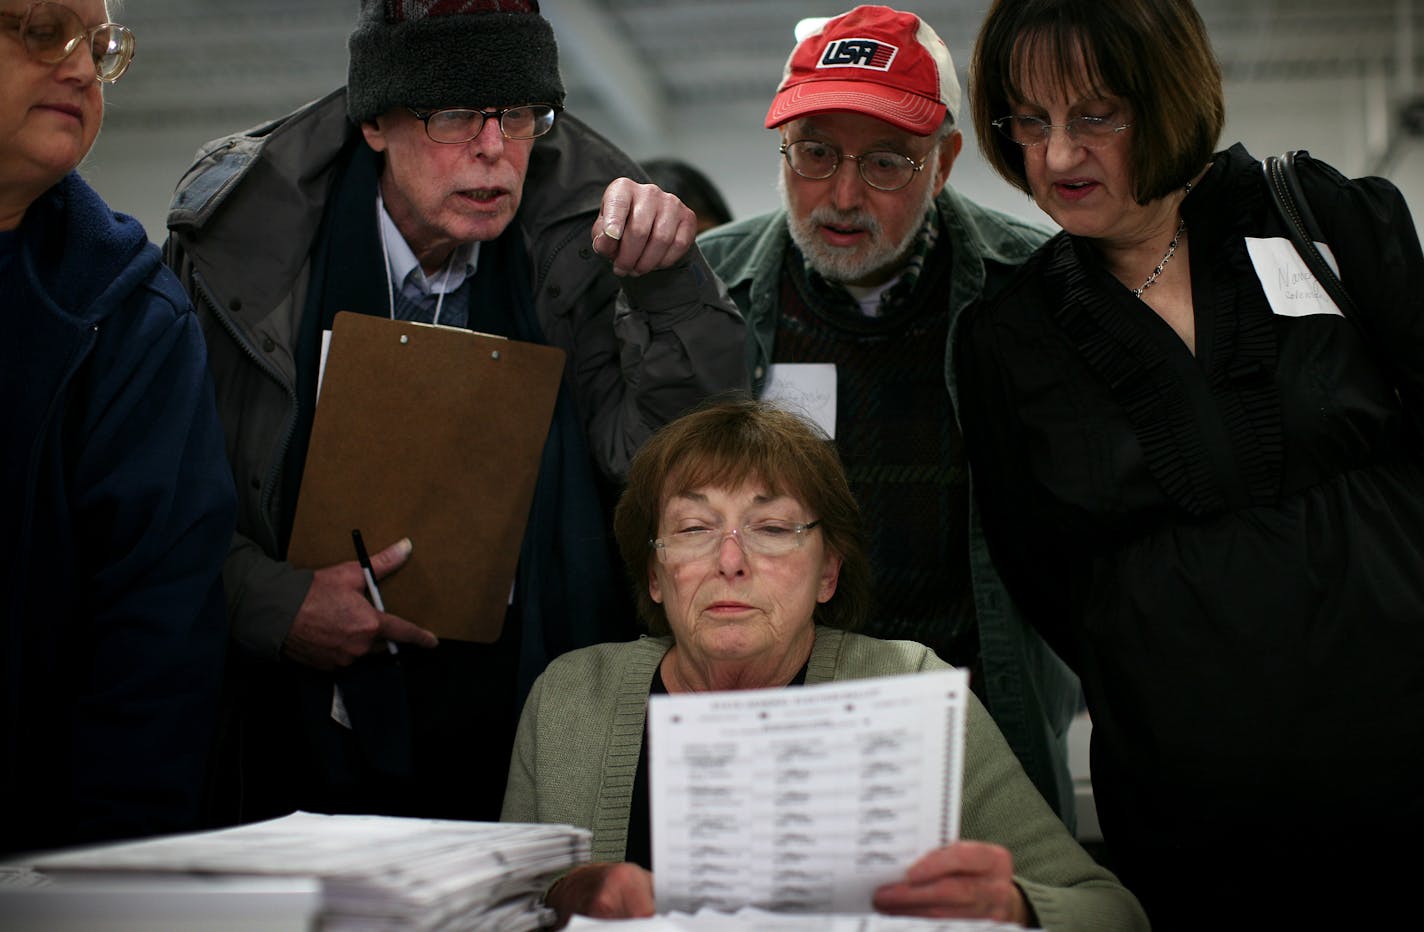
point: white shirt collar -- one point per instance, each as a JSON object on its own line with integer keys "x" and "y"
{"x": 402, "y": 260}
{"x": 868, "y": 296}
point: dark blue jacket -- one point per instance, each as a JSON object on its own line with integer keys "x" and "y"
{"x": 116, "y": 509}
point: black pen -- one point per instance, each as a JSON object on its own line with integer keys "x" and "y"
{"x": 365, "y": 560}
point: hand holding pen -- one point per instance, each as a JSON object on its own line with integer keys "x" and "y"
{"x": 369, "y": 575}
{"x": 337, "y": 623}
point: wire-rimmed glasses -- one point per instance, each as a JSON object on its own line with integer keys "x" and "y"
{"x": 764, "y": 538}
{"x": 50, "y": 32}
{"x": 1089, "y": 131}
{"x": 883, "y": 170}
{"x": 454, "y": 125}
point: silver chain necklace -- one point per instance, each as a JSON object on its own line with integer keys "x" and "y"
{"x": 1171, "y": 251}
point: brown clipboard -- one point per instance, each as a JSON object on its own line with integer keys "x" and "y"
{"x": 435, "y": 434}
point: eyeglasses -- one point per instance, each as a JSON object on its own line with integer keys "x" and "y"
{"x": 455, "y": 125}
{"x": 51, "y": 32}
{"x": 767, "y": 539}
{"x": 884, "y": 171}
{"x": 1088, "y": 131}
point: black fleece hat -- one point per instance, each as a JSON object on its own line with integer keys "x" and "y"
{"x": 429, "y": 54}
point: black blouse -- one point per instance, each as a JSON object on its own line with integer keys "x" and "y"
{"x": 1214, "y": 541}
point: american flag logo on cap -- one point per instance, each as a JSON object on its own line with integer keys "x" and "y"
{"x": 858, "y": 53}
{"x": 874, "y": 60}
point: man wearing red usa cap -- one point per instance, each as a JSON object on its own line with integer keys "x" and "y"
{"x": 862, "y": 275}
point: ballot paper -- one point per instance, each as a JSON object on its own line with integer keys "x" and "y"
{"x": 372, "y": 871}
{"x": 750, "y": 918}
{"x": 802, "y": 800}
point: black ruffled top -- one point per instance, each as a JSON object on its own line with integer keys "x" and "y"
{"x": 1227, "y": 546}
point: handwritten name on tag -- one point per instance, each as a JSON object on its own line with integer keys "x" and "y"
{"x": 808, "y": 388}
{"x": 1290, "y": 286}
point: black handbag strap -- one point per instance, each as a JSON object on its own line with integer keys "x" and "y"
{"x": 1304, "y": 232}
{"x": 1290, "y": 200}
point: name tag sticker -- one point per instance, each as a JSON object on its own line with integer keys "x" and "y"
{"x": 808, "y": 388}
{"x": 1289, "y": 284}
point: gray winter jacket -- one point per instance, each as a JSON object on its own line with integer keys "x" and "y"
{"x": 640, "y": 350}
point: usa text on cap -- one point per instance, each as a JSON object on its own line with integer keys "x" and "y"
{"x": 873, "y": 60}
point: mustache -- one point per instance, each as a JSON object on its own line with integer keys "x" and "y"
{"x": 826, "y": 215}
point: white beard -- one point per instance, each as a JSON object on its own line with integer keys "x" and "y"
{"x": 849, "y": 264}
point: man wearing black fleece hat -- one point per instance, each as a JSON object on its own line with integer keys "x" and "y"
{"x": 444, "y": 184}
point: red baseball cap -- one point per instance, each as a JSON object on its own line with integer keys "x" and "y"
{"x": 873, "y": 60}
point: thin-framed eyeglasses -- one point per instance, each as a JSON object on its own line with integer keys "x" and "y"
{"x": 50, "y": 32}
{"x": 454, "y": 125}
{"x": 883, "y": 170}
{"x": 1091, "y": 132}
{"x": 764, "y": 538}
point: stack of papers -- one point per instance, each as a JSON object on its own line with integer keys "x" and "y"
{"x": 706, "y": 920}
{"x": 158, "y": 903}
{"x": 370, "y": 872}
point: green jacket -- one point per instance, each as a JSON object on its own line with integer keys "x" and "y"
{"x": 1031, "y": 694}
{"x": 581, "y": 734}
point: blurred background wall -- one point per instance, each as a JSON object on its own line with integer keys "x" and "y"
{"x": 692, "y": 79}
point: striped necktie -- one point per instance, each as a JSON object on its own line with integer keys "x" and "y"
{"x": 415, "y": 305}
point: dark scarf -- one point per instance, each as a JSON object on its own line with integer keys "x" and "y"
{"x": 568, "y": 590}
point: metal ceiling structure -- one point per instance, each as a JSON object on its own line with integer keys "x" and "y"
{"x": 638, "y": 60}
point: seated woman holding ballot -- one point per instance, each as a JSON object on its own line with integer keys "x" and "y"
{"x": 745, "y": 545}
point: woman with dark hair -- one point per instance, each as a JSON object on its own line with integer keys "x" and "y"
{"x": 745, "y": 549}
{"x": 1200, "y": 481}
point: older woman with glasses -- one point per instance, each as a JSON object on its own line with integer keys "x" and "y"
{"x": 116, "y": 500}
{"x": 1199, "y": 479}
{"x": 744, "y": 544}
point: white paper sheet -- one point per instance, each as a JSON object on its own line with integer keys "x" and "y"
{"x": 321, "y": 370}
{"x": 756, "y": 920}
{"x": 802, "y": 800}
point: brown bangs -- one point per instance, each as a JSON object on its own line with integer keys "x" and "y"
{"x": 1061, "y": 61}
{"x": 724, "y": 461}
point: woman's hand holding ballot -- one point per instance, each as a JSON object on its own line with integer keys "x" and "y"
{"x": 603, "y": 890}
{"x": 965, "y": 880}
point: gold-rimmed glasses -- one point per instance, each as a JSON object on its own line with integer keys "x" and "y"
{"x": 50, "y": 32}
{"x": 882, "y": 170}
